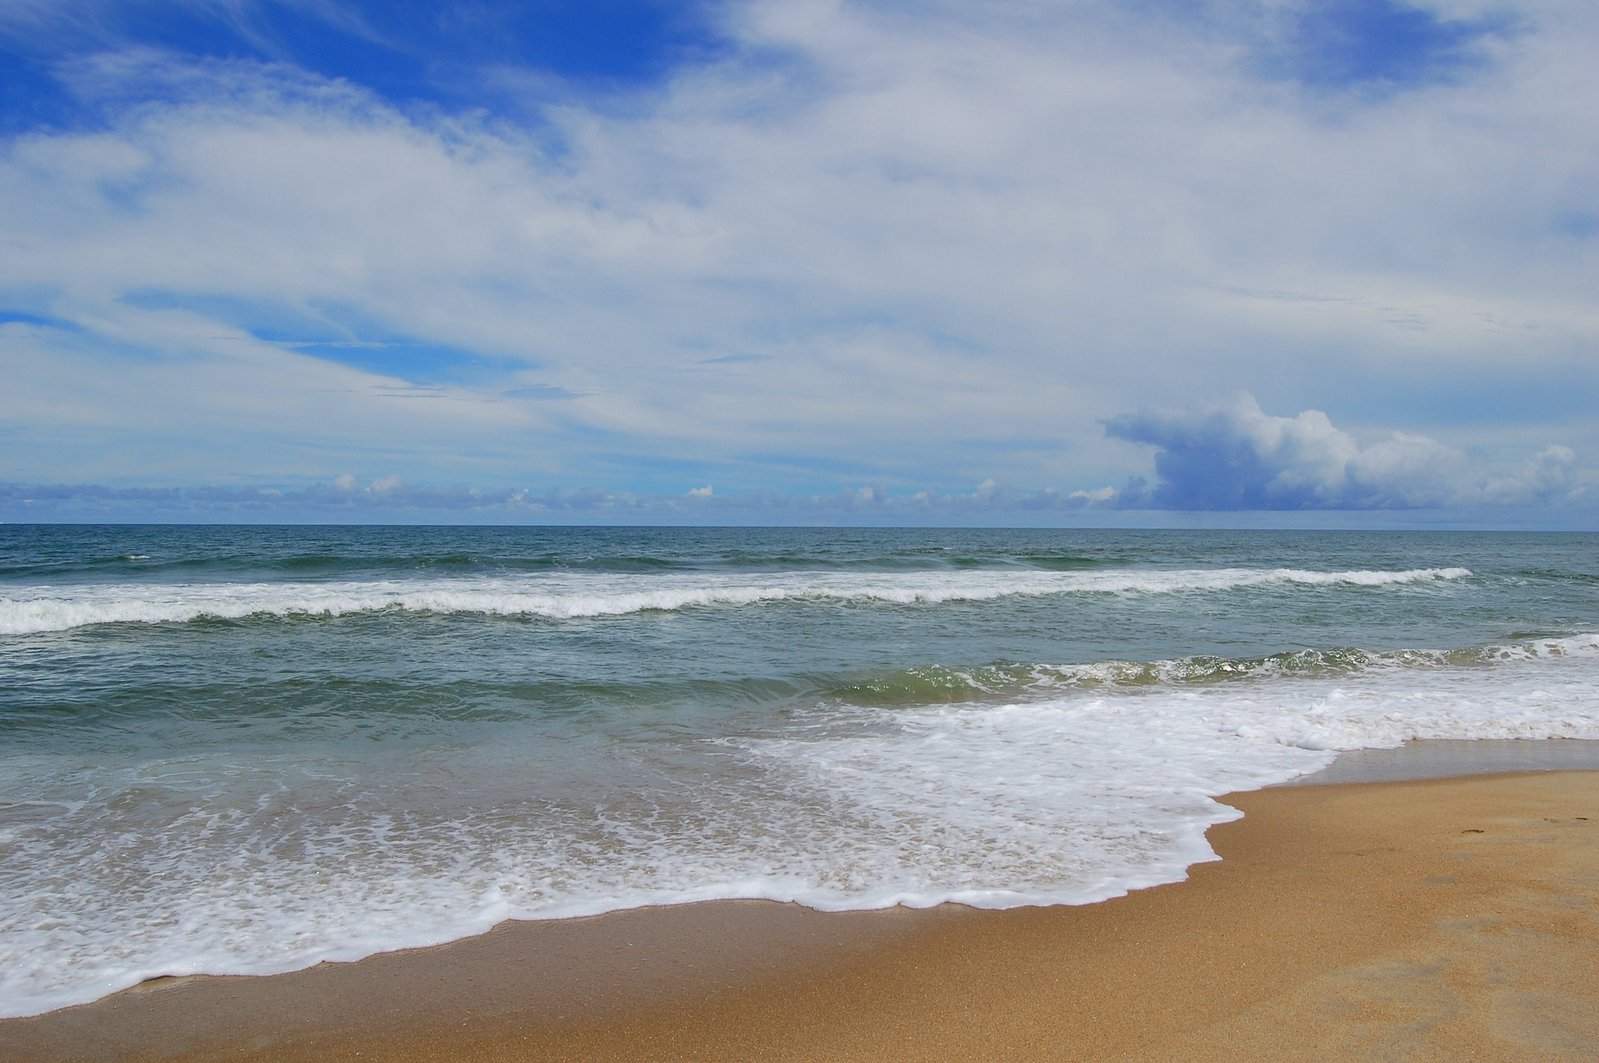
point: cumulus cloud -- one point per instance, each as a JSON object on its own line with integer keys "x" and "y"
{"x": 1238, "y": 457}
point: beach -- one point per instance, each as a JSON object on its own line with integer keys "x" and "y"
{"x": 1425, "y": 919}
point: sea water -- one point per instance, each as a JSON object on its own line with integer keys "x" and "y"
{"x": 248, "y": 750}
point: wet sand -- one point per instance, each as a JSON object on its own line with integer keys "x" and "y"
{"x": 1434, "y": 919}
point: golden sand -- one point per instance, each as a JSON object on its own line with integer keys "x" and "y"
{"x": 1441, "y": 919}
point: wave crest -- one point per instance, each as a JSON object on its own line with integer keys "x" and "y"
{"x": 948, "y": 684}
{"x": 581, "y": 595}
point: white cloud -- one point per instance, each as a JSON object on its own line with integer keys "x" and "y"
{"x": 870, "y": 243}
{"x": 1238, "y": 457}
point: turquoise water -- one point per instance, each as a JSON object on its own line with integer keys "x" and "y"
{"x": 235, "y": 749}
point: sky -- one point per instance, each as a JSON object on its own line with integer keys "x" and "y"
{"x": 1299, "y": 263}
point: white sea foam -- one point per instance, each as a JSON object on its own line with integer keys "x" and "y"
{"x": 226, "y": 862}
{"x": 566, "y": 596}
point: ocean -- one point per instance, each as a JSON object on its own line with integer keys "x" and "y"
{"x": 252, "y": 749}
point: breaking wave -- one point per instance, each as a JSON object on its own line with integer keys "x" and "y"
{"x": 575, "y": 596}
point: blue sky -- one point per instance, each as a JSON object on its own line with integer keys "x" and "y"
{"x": 800, "y": 261}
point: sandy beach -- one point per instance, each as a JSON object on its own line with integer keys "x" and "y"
{"x": 1430, "y": 919}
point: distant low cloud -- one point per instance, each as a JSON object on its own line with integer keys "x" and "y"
{"x": 390, "y": 499}
{"x": 1238, "y": 457}
{"x": 1235, "y": 459}
{"x": 345, "y": 497}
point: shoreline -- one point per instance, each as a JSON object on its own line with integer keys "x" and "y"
{"x": 1275, "y": 937}
{"x": 1447, "y": 758}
